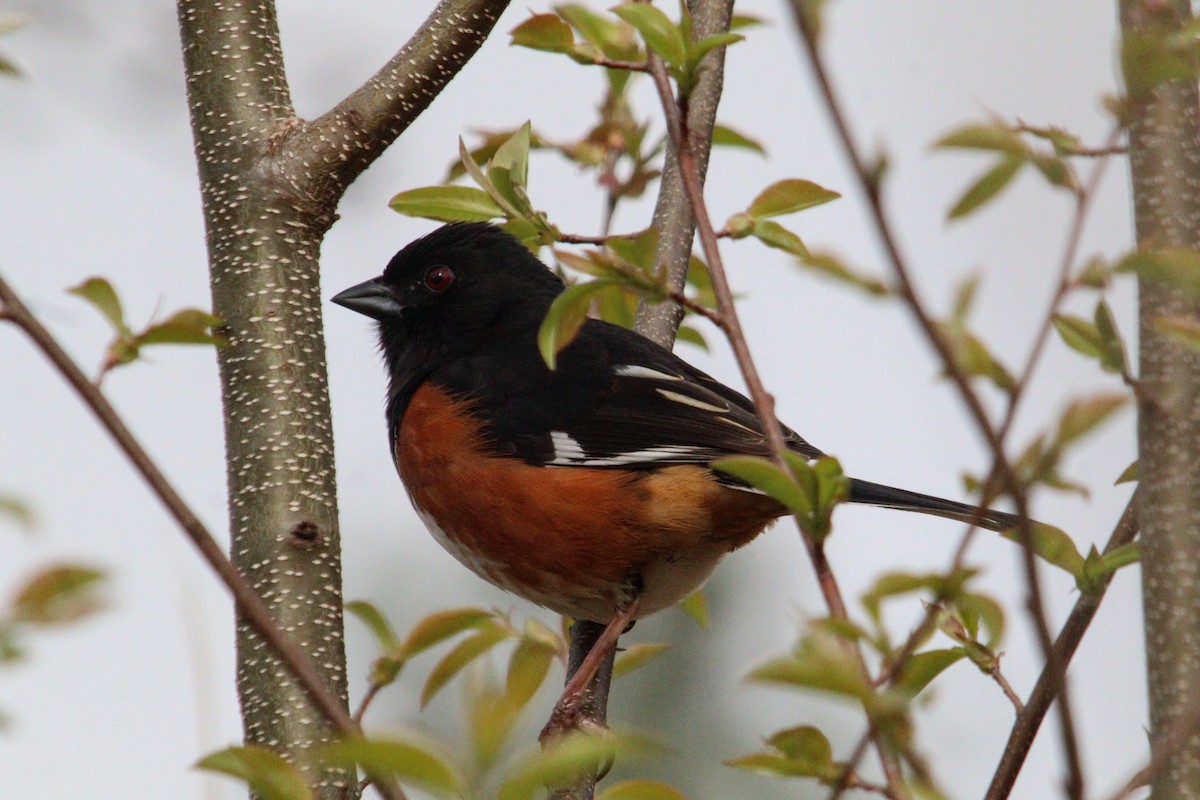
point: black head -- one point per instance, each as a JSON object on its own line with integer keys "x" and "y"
{"x": 446, "y": 294}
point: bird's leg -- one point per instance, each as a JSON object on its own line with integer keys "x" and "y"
{"x": 566, "y": 715}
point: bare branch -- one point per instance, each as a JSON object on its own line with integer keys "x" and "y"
{"x": 250, "y": 605}
{"x": 354, "y": 133}
{"x": 1025, "y": 728}
{"x": 868, "y": 182}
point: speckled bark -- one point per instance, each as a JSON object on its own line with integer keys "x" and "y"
{"x": 270, "y": 184}
{"x": 672, "y": 212}
{"x": 1165, "y": 166}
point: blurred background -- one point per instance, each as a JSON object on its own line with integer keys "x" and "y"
{"x": 97, "y": 178}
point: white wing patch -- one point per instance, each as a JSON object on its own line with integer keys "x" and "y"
{"x": 638, "y": 371}
{"x": 570, "y": 453}
{"x": 693, "y": 402}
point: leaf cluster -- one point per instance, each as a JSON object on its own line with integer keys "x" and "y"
{"x": 493, "y": 708}
{"x": 186, "y": 326}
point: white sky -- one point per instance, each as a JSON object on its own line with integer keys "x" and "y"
{"x": 97, "y": 178}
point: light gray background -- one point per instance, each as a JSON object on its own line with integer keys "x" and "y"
{"x": 97, "y": 178}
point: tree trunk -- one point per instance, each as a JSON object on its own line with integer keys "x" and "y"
{"x": 270, "y": 184}
{"x": 1164, "y": 150}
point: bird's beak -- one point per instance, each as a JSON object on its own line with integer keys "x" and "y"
{"x": 371, "y": 298}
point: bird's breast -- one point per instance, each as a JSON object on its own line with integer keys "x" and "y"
{"x": 572, "y": 539}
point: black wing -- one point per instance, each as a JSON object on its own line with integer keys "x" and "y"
{"x": 615, "y": 400}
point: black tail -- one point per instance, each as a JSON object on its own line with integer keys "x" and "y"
{"x": 875, "y": 494}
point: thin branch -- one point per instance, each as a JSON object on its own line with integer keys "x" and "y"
{"x": 764, "y": 403}
{"x": 1025, "y": 728}
{"x": 250, "y": 605}
{"x": 1007, "y": 688}
{"x": 369, "y": 696}
{"x": 1083, "y": 205}
{"x": 355, "y": 132}
{"x": 1035, "y": 604}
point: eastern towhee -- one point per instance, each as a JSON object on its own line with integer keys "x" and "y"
{"x": 586, "y": 489}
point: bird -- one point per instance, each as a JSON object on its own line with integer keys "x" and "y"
{"x": 588, "y": 488}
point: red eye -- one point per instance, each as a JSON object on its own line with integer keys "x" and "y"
{"x": 439, "y": 278}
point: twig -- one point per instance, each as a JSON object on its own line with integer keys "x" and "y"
{"x": 1006, "y": 687}
{"x": 764, "y": 403}
{"x": 655, "y": 322}
{"x": 359, "y": 712}
{"x": 613, "y": 63}
{"x": 1082, "y": 206}
{"x": 1035, "y": 604}
{"x": 354, "y": 133}
{"x": 1025, "y": 728}
{"x": 251, "y": 606}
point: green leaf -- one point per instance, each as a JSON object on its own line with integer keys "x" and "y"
{"x": 921, "y": 668}
{"x": 18, "y": 511}
{"x": 58, "y": 594}
{"x": 1128, "y": 475}
{"x": 513, "y": 156}
{"x": 485, "y": 183}
{"x": 563, "y": 760}
{"x": 1150, "y": 57}
{"x": 741, "y": 21}
{"x": 660, "y": 34}
{"x": 690, "y": 335}
{"x": 267, "y": 774}
{"x": 459, "y": 657}
{"x": 188, "y": 326}
{"x": 1056, "y": 171}
{"x": 527, "y": 669}
{"x": 376, "y": 623}
{"x": 698, "y": 50}
{"x": 803, "y": 752}
{"x": 566, "y": 316}
{"x": 821, "y": 662}
{"x": 778, "y": 766}
{"x": 1112, "y": 347}
{"x": 892, "y": 584}
{"x": 1064, "y": 142}
{"x": 1174, "y": 267}
{"x": 724, "y": 136}
{"x": 772, "y": 234}
{"x": 614, "y": 40}
{"x": 413, "y": 761}
{"x": 640, "y": 790}
{"x": 764, "y": 475}
{"x": 637, "y": 250}
{"x": 1079, "y": 334}
{"x": 788, "y": 197}
{"x": 831, "y": 266}
{"x": 1053, "y": 545}
{"x": 964, "y": 298}
{"x": 1182, "y": 330}
{"x": 637, "y": 656}
{"x": 994, "y": 137}
{"x": 439, "y": 626}
{"x": 1096, "y": 272}
{"x": 990, "y": 184}
{"x": 546, "y": 32}
{"x": 696, "y": 607}
{"x": 972, "y": 356}
{"x": 448, "y": 204}
{"x": 1084, "y": 416}
{"x": 101, "y": 294}
{"x": 978, "y": 610}
{"x": 804, "y": 741}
